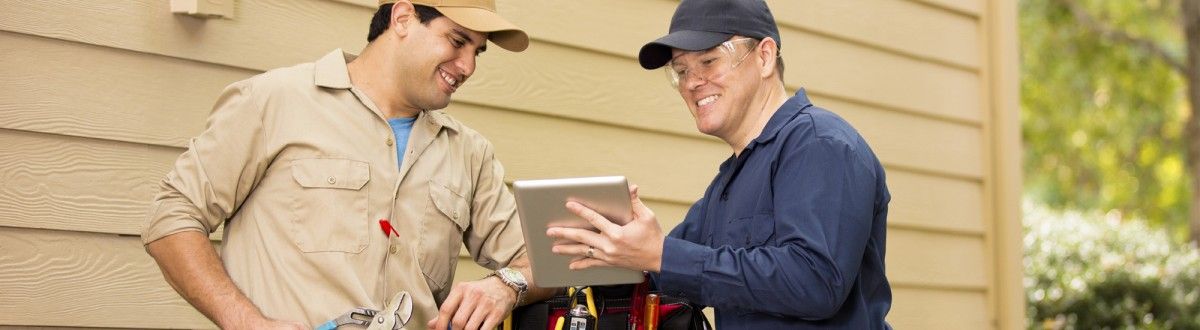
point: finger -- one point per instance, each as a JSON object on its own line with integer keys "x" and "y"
{"x": 432, "y": 324}
{"x": 477, "y": 317}
{"x": 599, "y": 221}
{"x": 496, "y": 317}
{"x": 588, "y": 263}
{"x": 465, "y": 311}
{"x": 560, "y": 234}
{"x": 570, "y": 250}
{"x": 492, "y": 322}
{"x": 640, "y": 210}
{"x": 581, "y": 236}
{"x": 448, "y": 308}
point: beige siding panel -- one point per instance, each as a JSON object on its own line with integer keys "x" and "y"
{"x": 678, "y": 168}
{"x": 940, "y": 35}
{"x": 936, "y": 260}
{"x": 914, "y": 260}
{"x": 264, "y": 34}
{"x": 142, "y": 109}
{"x": 904, "y": 27}
{"x": 938, "y": 309}
{"x": 669, "y": 215}
{"x": 51, "y": 270}
{"x": 68, "y": 183}
{"x": 54, "y": 278}
{"x": 878, "y": 78}
{"x": 132, "y": 97}
{"x": 914, "y": 142}
{"x": 274, "y": 33}
{"x": 935, "y": 203}
{"x": 607, "y": 89}
{"x": 969, "y": 8}
{"x": 106, "y": 185}
{"x": 163, "y": 100}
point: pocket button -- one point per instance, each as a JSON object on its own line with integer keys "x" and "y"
{"x": 331, "y": 180}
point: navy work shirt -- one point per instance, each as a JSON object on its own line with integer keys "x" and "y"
{"x": 790, "y": 234}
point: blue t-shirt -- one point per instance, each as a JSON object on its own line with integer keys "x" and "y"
{"x": 401, "y": 127}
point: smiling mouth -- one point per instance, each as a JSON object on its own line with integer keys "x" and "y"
{"x": 449, "y": 79}
{"x": 708, "y": 100}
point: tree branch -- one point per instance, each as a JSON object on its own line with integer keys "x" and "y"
{"x": 1108, "y": 32}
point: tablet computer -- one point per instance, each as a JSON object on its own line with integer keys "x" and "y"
{"x": 542, "y": 204}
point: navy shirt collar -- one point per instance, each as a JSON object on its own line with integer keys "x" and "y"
{"x": 782, "y": 116}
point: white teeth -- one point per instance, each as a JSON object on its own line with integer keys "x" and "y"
{"x": 447, "y": 78}
{"x": 707, "y": 100}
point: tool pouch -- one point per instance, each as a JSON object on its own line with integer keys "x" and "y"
{"x": 620, "y": 307}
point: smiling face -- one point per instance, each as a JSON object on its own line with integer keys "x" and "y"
{"x": 719, "y": 103}
{"x": 438, "y": 58}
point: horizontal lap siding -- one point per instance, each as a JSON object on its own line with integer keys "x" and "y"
{"x": 97, "y": 104}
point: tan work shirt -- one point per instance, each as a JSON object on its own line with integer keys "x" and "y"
{"x": 300, "y": 166}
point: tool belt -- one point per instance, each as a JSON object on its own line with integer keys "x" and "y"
{"x": 617, "y": 307}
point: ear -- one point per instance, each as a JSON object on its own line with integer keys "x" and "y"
{"x": 768, "y": 54}
{"x": 403, "y": 14}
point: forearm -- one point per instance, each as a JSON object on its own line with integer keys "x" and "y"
{"x": 535, "y": 293}
{"x": 191, "y": 266}
{"x": 785, "y": 280}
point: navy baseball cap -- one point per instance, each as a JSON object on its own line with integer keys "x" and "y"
{"x": 704, "y": 24}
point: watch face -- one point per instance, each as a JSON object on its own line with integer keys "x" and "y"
{"x": 513, "y": 278}
{"x": 512, "y": 275}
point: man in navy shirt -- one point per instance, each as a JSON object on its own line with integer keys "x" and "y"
{"x": 791, "y": 233}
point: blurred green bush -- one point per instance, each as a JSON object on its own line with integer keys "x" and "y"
{"x": 1093, "y": 271}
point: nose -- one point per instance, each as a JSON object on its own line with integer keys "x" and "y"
{"x": 692, "y": 81}
{"x": 466, "y": 64}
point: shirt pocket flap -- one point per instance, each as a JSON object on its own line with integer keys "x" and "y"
{"x": 331, "y": 173}
{"x": 762, "y": 227}
{"x": 450, "y": 204}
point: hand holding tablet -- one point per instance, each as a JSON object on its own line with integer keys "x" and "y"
{"x": 542, "y": 205}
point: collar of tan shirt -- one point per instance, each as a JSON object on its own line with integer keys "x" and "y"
{"x": 331, "y": 72}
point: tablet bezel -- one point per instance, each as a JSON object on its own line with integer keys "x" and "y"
{"x": 541, "y": 204}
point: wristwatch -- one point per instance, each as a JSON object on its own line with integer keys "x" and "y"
{"x": 515, "y": 280}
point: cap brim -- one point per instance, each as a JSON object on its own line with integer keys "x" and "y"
{"x": 657, "y": 53}
{"x": 500, "y": 31}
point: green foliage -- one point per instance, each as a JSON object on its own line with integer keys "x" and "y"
{"x": 1103, "y": 120}
{"x": 1095, "y": 271}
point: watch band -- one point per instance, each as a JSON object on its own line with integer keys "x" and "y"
{"x": 515, "y": 280}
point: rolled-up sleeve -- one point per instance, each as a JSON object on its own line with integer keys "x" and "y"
{"x": 215, "y": 174}
{"x": 495, "y": 238}
{"x": 823, "y": 197}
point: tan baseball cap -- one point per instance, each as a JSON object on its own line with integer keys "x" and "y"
{"x": 481, "y": 16}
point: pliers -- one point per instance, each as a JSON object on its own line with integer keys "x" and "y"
{"x": 358, "y": 316}
{"x": 363, "y": 317}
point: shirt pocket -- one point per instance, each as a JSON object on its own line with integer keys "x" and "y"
{"x": 748, "y": 231}
{"x": 442, "y": 229}
{"x": 329, "y": 212}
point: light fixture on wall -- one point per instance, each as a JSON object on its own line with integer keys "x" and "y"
{"x": 204, "y": 8}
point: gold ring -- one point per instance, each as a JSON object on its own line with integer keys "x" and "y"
{"x": 591, "y": 252}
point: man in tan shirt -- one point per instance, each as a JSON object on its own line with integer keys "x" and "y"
{"x": 322, "y": 211}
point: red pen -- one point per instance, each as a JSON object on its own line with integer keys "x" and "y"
{"x": 387, "y": 228}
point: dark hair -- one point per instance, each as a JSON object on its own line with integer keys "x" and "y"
{"x": 383, "y": 18}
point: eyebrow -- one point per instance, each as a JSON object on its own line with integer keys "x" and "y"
{"x": 482, "y": 48}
